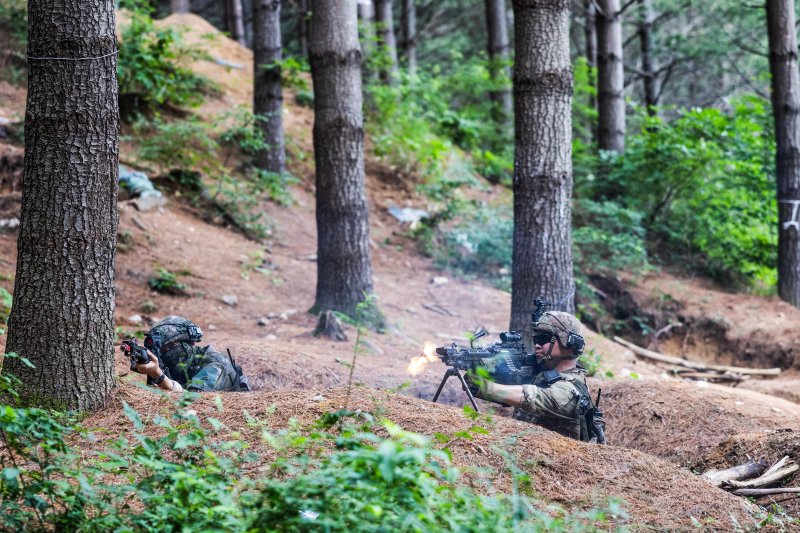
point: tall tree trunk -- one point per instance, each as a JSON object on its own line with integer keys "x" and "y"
{"x": 386, "y": 39}
{"x": 649, "y": 63}
{"x": 267, "y": 89}
{"x": 410, "y": 35}
{"x": 497, "y": 46}
{"x": 63, "y": 314}
{"x": 366, "y": 17}
{"x": 302, "y": 26}
{"x": 610, "y": 78}
{"x": 344, "y": 265}
{"x": 180, "y": 6}
{"x": 590, "y": 33}
{"x": 542, "y": 256}
{"x": 236, "y": 21}
{"x": 786, "y": 109}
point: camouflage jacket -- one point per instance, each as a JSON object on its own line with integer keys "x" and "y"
{"x": 206, "y": 370}
{"x": 557, "y": 401}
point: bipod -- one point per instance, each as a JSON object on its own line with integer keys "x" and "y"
{"x": 456, "y": 372}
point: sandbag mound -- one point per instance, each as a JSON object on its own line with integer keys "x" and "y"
{"x": 573, "y": 474}
{"x": 684, "y": 421}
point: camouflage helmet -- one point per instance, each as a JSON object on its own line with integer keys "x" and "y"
{"x": 565, "y": 327}
{"x": 176, "y": 329}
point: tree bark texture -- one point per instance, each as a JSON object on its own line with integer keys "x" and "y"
{"x": 179, "y": 6}
{"x": 497, "y": 47}
{"x": 786, "y": 110}
{"x": 410, "y": 35}
{"x": 268, "y": 90}
{"x": 302, "y": 26}
{"x": 344, "y": 265}
{"x": 610, "y": 78}
{"x": 542, "y": 255}
{"x": 236, "y": 21}
{"x": 384, "y": 22}
{"x": 650, "y": 80}
{"x": 62, "y": 319}
{"x": 590, "y": 33}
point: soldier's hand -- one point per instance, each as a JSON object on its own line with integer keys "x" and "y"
{"x": 477, "y": 385}
{"x": 151, "y": 368}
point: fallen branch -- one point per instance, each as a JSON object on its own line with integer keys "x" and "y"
{"x": 766, "y": 492}
{"x": 711, "y": 375}
{"x": 766, "y": 479}
{"x": 638, "y": 350}
{"x": 744, "y": 471}
{"x": 436, "y": 308}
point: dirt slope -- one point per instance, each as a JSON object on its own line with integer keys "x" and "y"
{"x": 268, "y": 330}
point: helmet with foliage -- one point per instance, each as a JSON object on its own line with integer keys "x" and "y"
{"x": 565, "y": 327}
{"x": 174, "y": 338}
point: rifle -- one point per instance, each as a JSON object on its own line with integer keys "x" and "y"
{"x": 138, "y": 354}
{"x": 597, "y": 420}
{"x": 507, "y": 361}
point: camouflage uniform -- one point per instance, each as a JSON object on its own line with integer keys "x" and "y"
{"x": 195, "y": 368}
{"x": 557, "y": 401}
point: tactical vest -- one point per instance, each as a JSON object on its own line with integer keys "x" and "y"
{"x": 576, "y": 421}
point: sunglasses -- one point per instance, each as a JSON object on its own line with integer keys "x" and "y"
{"x": 542, "y": 339}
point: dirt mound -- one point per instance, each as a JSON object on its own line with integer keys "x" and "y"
{"x": 570, "y": 473}
{"x": 684, "y": 422}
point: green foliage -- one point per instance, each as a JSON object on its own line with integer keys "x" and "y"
{"x": 152, "y": 68}
{"x": 166, "y": 282}
{"x": 14, "y": 24}
{"x": 6, "y": 300}
{"x": 607, "y": 237}
{"x": 704, "y": 186}
{"x": 179, "y": 472}
{"x": 591, "y": 361}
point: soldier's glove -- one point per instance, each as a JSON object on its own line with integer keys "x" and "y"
{"x": 477, "y": 385}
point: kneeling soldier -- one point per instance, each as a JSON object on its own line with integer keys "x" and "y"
{"x": 558, "y": 398}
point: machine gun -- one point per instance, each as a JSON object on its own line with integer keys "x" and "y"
{"x": 507, "y": 361}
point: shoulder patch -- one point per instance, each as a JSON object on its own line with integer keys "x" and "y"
{"x": 551, "y": 376}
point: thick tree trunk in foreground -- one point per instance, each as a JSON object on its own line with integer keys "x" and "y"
{"x": 179, "y": 6}
{"x": 344, "y": 265}
{"x": 497, "y": 31}
{"x": 610, "y": 78}
{"x": 236, "y": 21}
{"x": 786, "y": 109}
{"x": 63, "y": 314}
{"x": 542, "y": 257}
{"x": 268, "y": 92}
{"x": 385, "y": 30}
{"x": 649, "y": 64}
{"x": 410, "y": 35}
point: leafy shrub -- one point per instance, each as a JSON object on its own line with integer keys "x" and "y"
{"x": 175, "y": 472}
{"x": 152, "y": 67}
{"x": 704, "y": 185}
{"x": 14, "y": 24}
{"x": 166, "y": 282}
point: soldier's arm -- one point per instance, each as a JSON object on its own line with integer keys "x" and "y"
{"x": 153, "y": 371}
{"x": 531, "y": 398}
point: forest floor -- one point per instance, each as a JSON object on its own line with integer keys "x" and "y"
{"x": 661, "y": 429}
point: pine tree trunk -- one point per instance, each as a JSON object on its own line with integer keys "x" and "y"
{"x": 610, "y": 78}
{"x": 542, "y": 256}
{"x": 410, "y": 35}
{"x": 268, "y": 92}
{"x": 63, "y": 314}
{"x": 179, "y": 6}
{"x": 366, "y": 17}
{"x": 786, "y": 109}
{"x": 590, "y": 33}
{"x": 302, "y": 27}
{"x": 386, "y": 39}
{"x": 497, "y": 31}
{"x": 236, "y": 21}
{"x": 649, "y": 63}
{"x": 344, "y": 265}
